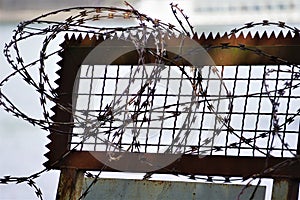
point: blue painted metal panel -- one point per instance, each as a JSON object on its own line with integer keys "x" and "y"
{"x": 120, "y": 189}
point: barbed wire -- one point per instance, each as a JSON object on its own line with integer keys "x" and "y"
{"x": 78, "y": 24}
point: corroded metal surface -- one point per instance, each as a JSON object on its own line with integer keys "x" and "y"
{"x": 138, "y": 189}
{"x": 189, "y": 164}
{"x": 70, "y": 184}
{"x": 285, "y": 189}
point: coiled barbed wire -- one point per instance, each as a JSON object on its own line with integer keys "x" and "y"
{"x": 78, "y": 23}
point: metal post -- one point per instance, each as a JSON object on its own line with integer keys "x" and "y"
{"x": 70, "y": 184}
{"x": 285, "y": 189}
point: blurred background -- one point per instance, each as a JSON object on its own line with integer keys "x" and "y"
{"x": 201, "y": 12}
{"x": 22, "y": 146}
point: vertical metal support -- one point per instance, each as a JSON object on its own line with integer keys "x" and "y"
{"x": 285, "y": 189}
{"x": 70, "y": 184}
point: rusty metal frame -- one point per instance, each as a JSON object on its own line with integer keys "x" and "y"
{"x": 75, "y": 51}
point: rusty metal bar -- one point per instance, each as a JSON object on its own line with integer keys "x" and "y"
{"x": 229, "y": 57}
{"x": 191, "y": 164}
{"x": 285, "y": 189}
{"x": 70, "y": 184}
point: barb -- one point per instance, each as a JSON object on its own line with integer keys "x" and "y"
{"x": 175, "y": 8}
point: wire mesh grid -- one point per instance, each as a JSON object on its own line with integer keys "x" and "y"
{"x": 129, "y": 107}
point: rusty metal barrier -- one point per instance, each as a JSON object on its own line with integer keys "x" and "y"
{"x": 231, "y": 151}
{"x": 210, "y": 105}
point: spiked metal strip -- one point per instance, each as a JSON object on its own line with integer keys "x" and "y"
{"x": 256, "y": 40}
{"x": 59, "y": 134}
{"x": 284, "y": 47}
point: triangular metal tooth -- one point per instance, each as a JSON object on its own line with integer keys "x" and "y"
{"x": 54, "y": 108}
{"x": 195, "y": 36}
{"x": 280, "y": 35}
{"x": 224, "y": 39}
{"x": 264, "y": 36}
{"x": 272, "y": 36}
{"x": 56, "y": 91}
{"x": 256, "y": 36}
{"x": 94, "y": 39}
{"x": 225, "y": 36}
{"x": 73, "y": 38}
{"x": 289, "y": 39}
{"x": 46, "y": 164}
{"x": 47, "y": 154}
{"x": 209, "y": 40}
{"x": 60, "y": 63}
{"x": 233, "y": 36}
{"x": 217, "y": 39}
{"x": 66, "y": 37}
{"x": 210, "y": 36}
{"x": 202, "y": 38}
{"x": 240, "y": 39}
{"x": 58, "y": 81}
{"x": 50, "y": 144}
{"x": 79, "y": 39}
{"x": 86, "y": 41}
{"x": 49, "y": 137}
{"x": 218, "y": 36}
{"x": 61, "y": 54}
{"x": 86, "y": 38}
{"x": 280, "y": 38}
{"x": 241, "y": 36}
{"x": 248, "y": 36}
{"x": 233, "y": 39}
{"x": 289, "y": 35}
